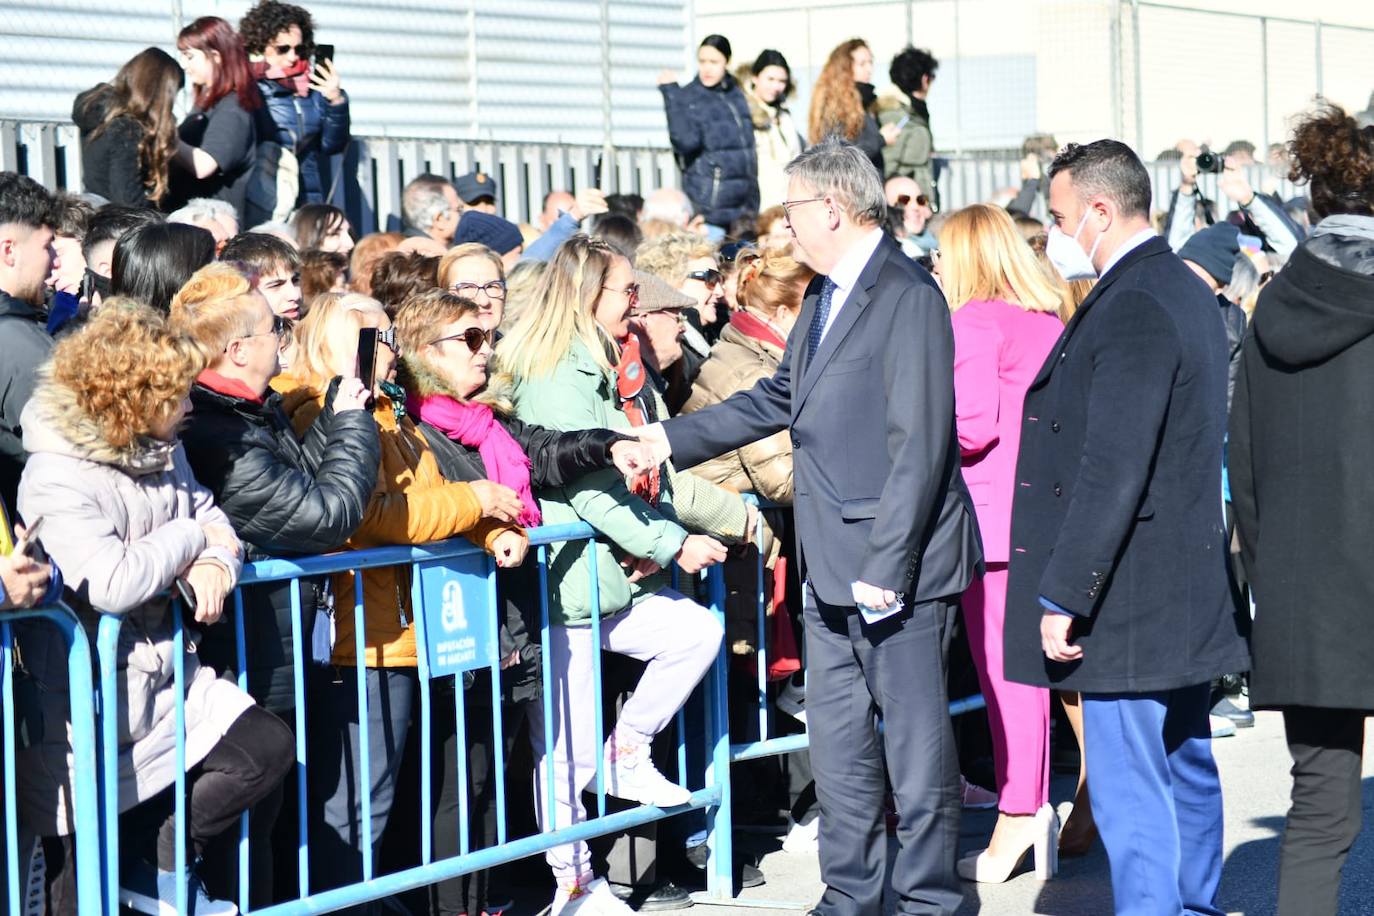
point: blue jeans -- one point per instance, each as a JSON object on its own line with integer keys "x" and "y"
{"x": 1156, "y": 797}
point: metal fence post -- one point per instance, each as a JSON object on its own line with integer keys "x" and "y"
{"x": 1135, "y": 53}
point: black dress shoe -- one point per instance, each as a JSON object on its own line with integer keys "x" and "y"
{"x": 657, "y": 899}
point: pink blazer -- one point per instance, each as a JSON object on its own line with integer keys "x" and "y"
{"x": 998, "y": 350}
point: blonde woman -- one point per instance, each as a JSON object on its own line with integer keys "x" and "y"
{"x": 474, "y": 271}
{"x": 1006, "y": 320}
{"x": 411, "y": 504}
{"x": 561, "y": 362}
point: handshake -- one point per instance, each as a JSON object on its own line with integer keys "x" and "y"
{"x": 637, "y": 458}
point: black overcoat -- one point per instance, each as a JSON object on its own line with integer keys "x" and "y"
{"x": 1118, "y": 509}
{"x": 1302, "y": 440}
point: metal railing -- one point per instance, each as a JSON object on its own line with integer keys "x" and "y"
{"x": 97, "y": 777}
{"x": 376, "y": 170}
{"x": 84, "y": 807}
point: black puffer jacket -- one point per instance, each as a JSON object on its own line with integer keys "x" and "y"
{"x": 713, "y": 139}
{"x": 556, "y": 458}
{"x": 281, "y": 503}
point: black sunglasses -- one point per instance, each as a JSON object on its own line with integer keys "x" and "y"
{"x": 710, "y": 277}
{"x": 921, "y": 200}
{"x": 301, "y": 49}
{"x": 473, "y": 337}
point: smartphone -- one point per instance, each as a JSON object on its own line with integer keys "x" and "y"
{"x": 367, "y": 357}
{"x": 188, "y": 595}
{"x": 28, "y": 545}
{"x": 323, "y": 53}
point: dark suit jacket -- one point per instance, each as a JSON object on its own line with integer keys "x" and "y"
{"x": 879, "y": 497}
{"x": 1118, "y": 514}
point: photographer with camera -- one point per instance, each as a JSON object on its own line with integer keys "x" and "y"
{"x": 1259, "y": 214}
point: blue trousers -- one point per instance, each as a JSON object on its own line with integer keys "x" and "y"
{"x": 1156, "y": 798}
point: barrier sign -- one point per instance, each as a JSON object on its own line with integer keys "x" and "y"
{"x": 457, "y": 614}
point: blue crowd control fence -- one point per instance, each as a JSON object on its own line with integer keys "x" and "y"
{"x": 84, "y": 803}
{"x": 467, "y": 561}
{"x": 473, "y": 573}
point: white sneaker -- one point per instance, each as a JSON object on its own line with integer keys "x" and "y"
{"x": 159, "y": 897}
{"x": 631, "y": 775}
{"x": 1222, "y": 727}
{"x": 591, "y": 899}
{"x": 803, "y": 838}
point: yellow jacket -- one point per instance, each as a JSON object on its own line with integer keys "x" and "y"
{"x": 412, "y": 504}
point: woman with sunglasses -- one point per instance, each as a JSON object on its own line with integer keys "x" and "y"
{"x": 219, "y": 137}
{"x": 475, "y": 436}
{"x": 243, "y": 450}
{"x": 411, "y": 503}
{"x": 473, "y": 271}
{"x": 308, "y": 108}
{"x": 572, "y": 363}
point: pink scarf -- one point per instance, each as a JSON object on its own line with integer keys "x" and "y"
{"x": 476, "y": 425}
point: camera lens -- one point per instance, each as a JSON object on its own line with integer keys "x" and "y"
{"x": 1208, "y": 161}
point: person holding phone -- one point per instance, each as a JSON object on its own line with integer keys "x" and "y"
{"x": 124, "y": 517}
{"x": 27, "y": 578}
{"x": 307, "y": 108}
{"x": 350, "y": 334}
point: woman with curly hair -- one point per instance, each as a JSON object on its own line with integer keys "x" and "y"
{"x": 308, "y": 108}
{"x": 218, "y": 138}
{"x": 127, "y": 523}
{"x": 843, "y": 99}
{"x": 1299, "y": 451}
{"x": 128, "y": 131}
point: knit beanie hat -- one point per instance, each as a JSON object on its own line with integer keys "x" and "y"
{"x": 500, "y": 235}
{"x": 1214, "y": 249}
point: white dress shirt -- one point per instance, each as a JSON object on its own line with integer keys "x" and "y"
{"x": 846, "y": 274}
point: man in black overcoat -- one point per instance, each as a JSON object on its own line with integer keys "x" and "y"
{"x": 1118, "y": 581}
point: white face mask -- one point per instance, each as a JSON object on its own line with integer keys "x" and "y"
{"x": 1068, "y": 256}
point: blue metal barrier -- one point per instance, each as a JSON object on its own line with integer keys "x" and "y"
{"x": 713, "y": 798}
{"x": 84, "y": 807}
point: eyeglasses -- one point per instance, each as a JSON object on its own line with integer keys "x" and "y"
{"x": 280, "y": 327}
{"x": 473, "y": 337}
{"x": 630, "y": 292}
{"x": 496, "y": 289}
{"x": 710, "y": 277}
{"x": 673, "y": 313}
{"x": 388, "y": 337}
{"x": 921, "y": 200}
{"x": 301, "y": 49}
{"x": 787, "y": 205}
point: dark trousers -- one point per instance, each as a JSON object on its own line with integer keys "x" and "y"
{"x": 1324, "y": 818}
{"x": 1156, "y": 798}
{"x": 895, "y": 670}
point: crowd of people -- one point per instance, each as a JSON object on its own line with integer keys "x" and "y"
{"x": 992, "y": 444}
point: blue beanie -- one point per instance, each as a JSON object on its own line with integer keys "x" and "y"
{"x": 500, "y": 235}
{"x": 1214, "y": 249}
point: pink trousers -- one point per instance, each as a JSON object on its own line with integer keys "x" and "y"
{"x": 1019, "y": 715}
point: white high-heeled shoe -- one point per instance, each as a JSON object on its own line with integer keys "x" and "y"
{"x": 1043, "y": 845}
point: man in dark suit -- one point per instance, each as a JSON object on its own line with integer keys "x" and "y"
{"x": 887, "y": 537}
{"x": 1118, "y": 582}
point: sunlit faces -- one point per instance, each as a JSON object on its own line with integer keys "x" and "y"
{"x": 453, "y": 355}
{"x": 282, "y": 289}
{"x": 710, "y": 66}
{"x": 200, "y": 67}
{"x": 477, "y": 278}
{"x": 703, "y": 286}
{"x": 770, "y": 83}
{"x": 618, "y": 296}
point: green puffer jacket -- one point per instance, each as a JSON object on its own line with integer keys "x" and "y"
{"x": 579, "y": 394}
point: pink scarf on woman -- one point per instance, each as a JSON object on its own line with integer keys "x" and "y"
{"x": 475, "y": 425}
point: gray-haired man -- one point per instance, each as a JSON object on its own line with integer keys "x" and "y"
{"x": 887, "y": 533}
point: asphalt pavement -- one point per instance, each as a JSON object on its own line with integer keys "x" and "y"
{"x": 1255, "y": 782}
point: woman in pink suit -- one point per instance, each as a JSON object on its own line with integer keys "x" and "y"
{"x": 1006, "y": 320}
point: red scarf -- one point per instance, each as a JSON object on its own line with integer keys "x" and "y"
{"x": 630, "y": 378}
{"x": 229, "y": 387}
{"x": 753, "y": 326}
{"x": 476, "y": 426}
{"x": 295, "y": 77}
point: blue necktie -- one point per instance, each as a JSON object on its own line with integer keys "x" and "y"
{"x": 818, "y": 320}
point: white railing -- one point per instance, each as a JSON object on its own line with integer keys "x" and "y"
{"x": 375, "y": 170}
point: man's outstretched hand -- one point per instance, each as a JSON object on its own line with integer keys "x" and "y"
{"x": 653, "y": 435}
